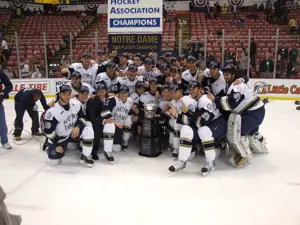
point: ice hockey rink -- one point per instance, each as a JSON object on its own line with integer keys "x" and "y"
{"x": 140, "y": 191}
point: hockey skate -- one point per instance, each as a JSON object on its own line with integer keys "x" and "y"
{"x": 177, "y": 166}
{"x": 85, "y": 161}
{"x": 208, "y": 168}
{"x": 175, "y": 154}
{"x": 109, "y": 157}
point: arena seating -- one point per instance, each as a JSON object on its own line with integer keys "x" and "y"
{"x": 30, "y": 36}
{"x": 169, "y": 32}
{"x": 236, "y": 38}
{"x": 4, "y": 18}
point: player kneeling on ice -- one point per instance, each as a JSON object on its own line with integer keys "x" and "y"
{"x": 63, "y": 123}
{"x": 178, "y": 118}
{"x": 247, "y": 113}
{"x": 206, "y": 124}
{"x": 117, "y": 122}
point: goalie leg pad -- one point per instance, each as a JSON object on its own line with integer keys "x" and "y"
{"x": 257, "y": 145}
{"x": 186, "y": 143}
{"x": 237, "y": 143}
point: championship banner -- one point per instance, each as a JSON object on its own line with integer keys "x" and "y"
{"x": 135, "y": 16}
{"x": 134, "y": 42}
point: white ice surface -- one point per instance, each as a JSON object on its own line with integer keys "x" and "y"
{"x": 140, "y": 191}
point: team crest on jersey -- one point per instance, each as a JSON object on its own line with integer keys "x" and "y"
{"x": 205, "y": 116}
{"x": 48, "y": 115}
{"x": 191, "y": 107}
{"x": 237, "y": 96}
{"x": 209, "y": 106}
{"x": 47, "y": 125}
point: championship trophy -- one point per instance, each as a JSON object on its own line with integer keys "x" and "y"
{"x": 150, "y": 145}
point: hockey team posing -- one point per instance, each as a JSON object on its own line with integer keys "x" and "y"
{"x": 200, "y": 110}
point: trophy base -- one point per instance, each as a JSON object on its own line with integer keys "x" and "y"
{"x": 150, "y": 147}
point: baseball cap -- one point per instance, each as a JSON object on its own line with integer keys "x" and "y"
{"x": 101, "y": 86}
{"x": 174, "y": 69}
{"x": 164, "y": 66}
{"x": 148, "y": 60}
{"x": 175, "y": 87}
{"x": 65, "y": 88}
{"x": 152, "y": 79}
{"x": 133, "y": 67}
{"x": 164, "y": 87}
{"x": 114, "y": 88}
{"x": 229, "y": 69}
{"x": 195, "y": 84}
{"x": 124, "y": 89}
{"x": 76, "y": 74}
{"x": 140, "y": 84}
{"x": 214, "y": 64}
{"x": 100, "y": 52}
{"x": 168, "y": 54}
{"x": 84, "y": 89}
{"x": 111, "y": 64}
{"x": 191, "y": 58}
{"x": 125, "y": 55}
{"x": 182, "y": 57}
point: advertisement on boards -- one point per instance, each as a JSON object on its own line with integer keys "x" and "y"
{"x": 19, "y": 84}
{"x": 135, "y": 16}
{"x": 276, "y": 88}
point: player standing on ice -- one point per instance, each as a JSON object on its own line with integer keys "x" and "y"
{"x": 63, "y": 123}
{"x": 247, "y": 114}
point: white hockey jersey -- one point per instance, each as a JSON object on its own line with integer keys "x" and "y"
{"x": 75, "y": 90}
{"x": 189, "y": 102}
{"x": 218, "y": 86}
{"x": 87, "y": 76}
{"x": 240, "y": 98}
{"x": 131, "y": 84}
{"x": 103, "y": 77}
{"x": 60, "y": 122}
{"x": 116, "y": 109}
{"x": 148, "y": 98}
{"x": 154, "y": 73}
{"x": 188, "y": 76}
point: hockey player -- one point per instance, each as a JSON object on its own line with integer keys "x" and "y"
{"x": 64, "y": 122}
{"x": 94, "y": 109}
{"x": 117, "y": 123}
{"x": 76, "y": 85}
{"x": 207, "y": 124}
{"x": 140, "y": 89}
{"x": 148, "y": 70}
{"x": 87, "y": 70}
{"x": 175, "y": 123}
{"x": 108, "y": 77}
{"x": 25, "y": 100}
{"x": 247, "y": 113}
{"x": 131, "y": 79}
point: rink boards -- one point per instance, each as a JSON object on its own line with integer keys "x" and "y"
{"x": 274, "y": 89}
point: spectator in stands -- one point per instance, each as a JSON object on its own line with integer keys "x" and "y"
{"x": 266, "y": 67}
{"x": 5, "y": 49}
{"x": 283, "y": 54}
{"x": 224, "y": 10}
{"x": 25, "y": 69}
{"x": 292, "y": 25}
{"x": 293, "y": 54}
{"x": 253, "y": 51}
{"x": 123, "y": 65}
{"x": 243, "y": 62}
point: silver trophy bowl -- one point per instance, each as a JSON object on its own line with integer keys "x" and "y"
{"x": 150, "y": 110}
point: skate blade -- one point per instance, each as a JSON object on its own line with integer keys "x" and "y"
{"x": 83, "y": 163}
{"x": 209, "y": 172}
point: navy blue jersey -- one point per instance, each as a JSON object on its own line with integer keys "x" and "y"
{"x": 26, "y": 100}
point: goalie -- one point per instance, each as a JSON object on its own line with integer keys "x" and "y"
{"x": 247, "y": 114}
